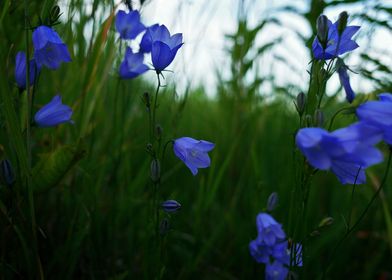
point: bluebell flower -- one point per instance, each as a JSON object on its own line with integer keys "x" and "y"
{"x": 276, "y": 271}
{"x": 345, "y": 82}
{"x": 269, "y": 230}
{"x": 379, "y": 115}
{"x": 346, "y": 151}
{"x": 170, "y": 206}
{"x": 129, "y": 24}
{"x": 53, "y": 113}
{"x": 260, "y": 251}
{"x": 132, "y": 65}
{"x": 336, "y": 44}
{"x": 20, "y": 70}
{"x": 49, "y": 49}
{"x": 281, "y": 252}
{"x": 162, "y": 45}
{"x": 194, "y": 153}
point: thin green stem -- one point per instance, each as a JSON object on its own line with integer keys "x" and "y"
{"x": 363, "y": 214}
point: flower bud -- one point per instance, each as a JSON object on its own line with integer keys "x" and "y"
{"x": 315, "y": 233}
{"x": 272, "y": 201}
{"x": 343, "y": 16}
{"x": 318, "y": 118}
{"x": 155, "y": 169}
{"x": 170, "y": 206}
{"x": 7, "y": 174}
{"x": 308, "y": 120}
{"x": 301, "y": 102}
{"x": 164, "y": 226}
{"x": 147, "y": 100}
{"x": 326, "y": 222}
{"x": 322, "y": 30}
{"x": 149, "y": 148}
{"x": 54, "y": 14}
{"x": 158, "y": 131}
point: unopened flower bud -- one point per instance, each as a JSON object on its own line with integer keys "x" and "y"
{"x": 343, "y": 16}
{"x": 272, "y": 201}
{"x": 318, "y": 119}
{"x": 322, "y": 30}
{"x": 164, "y": 226}
{"x": 149, "y": 147}
{"x": 326, "y": 222}
{"x": 308, "y": 120}
{"x": 147, "y": 100}
{"x": 7, "y": 174}
{"x": 301, "y": 102}
{"x": 54, "y": 14}
{"x": 170, "y": 206}
{"x": 155, "y": 169}
{"x": 158, "y": 131}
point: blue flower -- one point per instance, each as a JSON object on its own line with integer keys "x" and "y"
{"x": 132, "y": 65}
{"x": 163, "y": 47}
{"x": 170, "y": 206}
{"x": 260, "y": 251}
{"x": 345, "y": 82}
{"x": 49, "y": 49}
{"x": 276, "y": 271}
{"x": 128, "y": 24}
{"x": 53, "y": 113}
{"x": 269, "y": 230}
{"x": 378, "y": 114}
{"x": 194, "y": 153}
{"x": 281, "y": 252}
{"x": 20, "y": 70}
{"x": 346, "y": 152}
{"x": 336, "y": 44}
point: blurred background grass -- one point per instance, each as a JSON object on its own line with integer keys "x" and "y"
{"x": 95, "y": 222}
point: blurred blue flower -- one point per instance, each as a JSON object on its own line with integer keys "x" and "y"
{"x": 260, "y": 251}
{"x": 163, "y": 47}
{"x": 132, "y": 65}
{"x": 194, "y": 153}
{"x": 49, "y": 49}
{"x": 20, "y": 70}
{"x": 53, "y": 113}
{"x": 281, "y": 252}
{"x": 379, "y": 115}
{"x": 276, "y": 271}
{"x": 269, "y": 230}
{"x": 336, "y": 44}
{"x": 345, "y": 82}
{"x": 346, "y": 151}
{"x": 170, "y": 206}
{"x": 129, "y": 24}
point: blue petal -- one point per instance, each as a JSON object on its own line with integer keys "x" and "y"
{"x": 376, "y": 112}
{"x": 43, "y": 35}
{"x": 345, "y": 82}
{"x": 161, "y": 55}
{"x": 347, "y": 172}
{"x": 386, "y": 97}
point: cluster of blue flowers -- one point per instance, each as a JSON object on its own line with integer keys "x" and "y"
{"x": 272, "y": 248}
{"x": 49, "y": 51}
{"x": 333, "y": 40}
{"x": 348, "y": 151}
{"x": 156, "y": 40}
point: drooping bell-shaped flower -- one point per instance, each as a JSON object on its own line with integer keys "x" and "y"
{"x": 132, "y": 65}
{"x": 194, "y": 153}
{"x": 129, "y": 24}
{"x": 49, "y": 49}
{"x": 53, "y": 113}
{"x": 20, "y": 70}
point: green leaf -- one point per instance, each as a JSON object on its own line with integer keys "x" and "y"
{"x": 52, "y": 167}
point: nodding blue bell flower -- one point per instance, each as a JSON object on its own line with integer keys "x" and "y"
{"x": 270, "y": 231}
{"x": 337, "y": 43}
{"x": 276, "y": 271}
{"x": 20, "y": 70}
{"x": 170, "y": 206}
{"x": 162, "y": 45}
{"x": 49, "y": 49}
{"x": 378, "y": 114}
{"x": 7, "y": 173}
{"x": 132, "y": 65}
{"x": 129, "y": 24}
{"x": 345, "y": 82}
{"x": 194, "y": 153}
{"x": 53, "y": 113}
